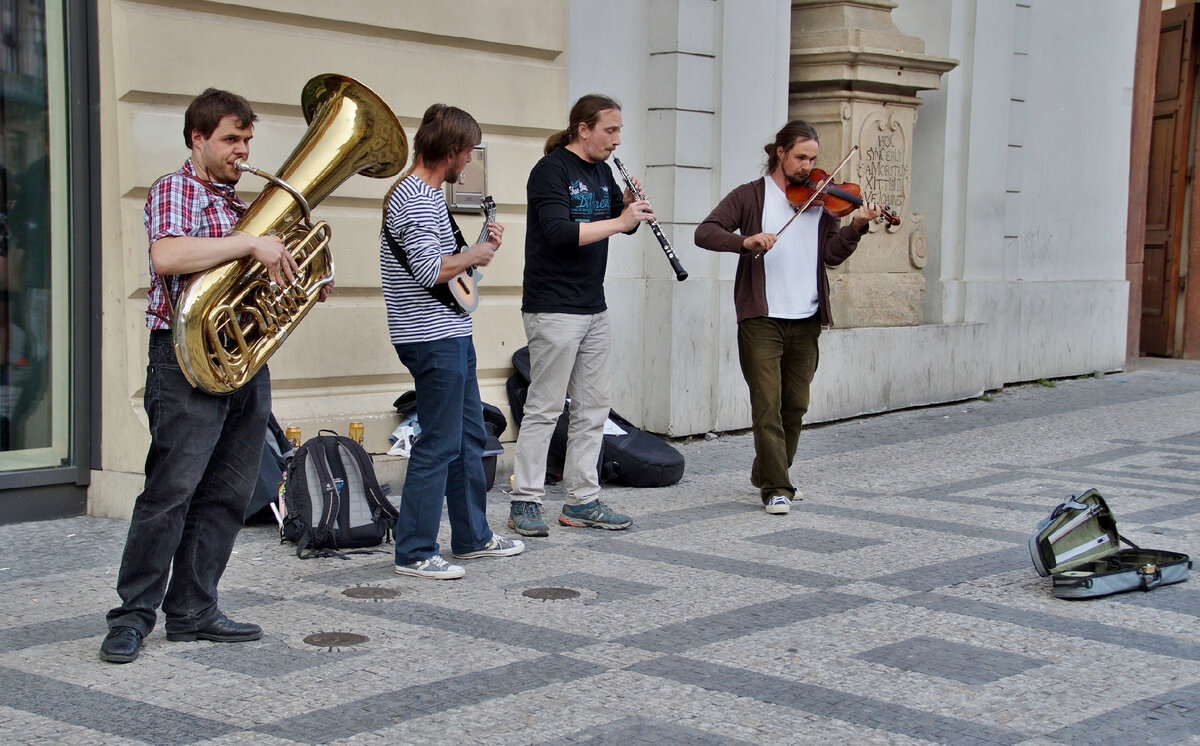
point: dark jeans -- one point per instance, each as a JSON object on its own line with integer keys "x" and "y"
{"x": 779, "y": 358}
{"x": 200, "y": 471}
{"x": 447, "y": 460}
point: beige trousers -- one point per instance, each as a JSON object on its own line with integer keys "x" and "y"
{"x": 569, "y": 357}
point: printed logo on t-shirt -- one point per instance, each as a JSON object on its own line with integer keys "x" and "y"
{"x": 585, "y": 204}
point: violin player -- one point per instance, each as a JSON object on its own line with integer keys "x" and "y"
{"x": 781, "y": 296}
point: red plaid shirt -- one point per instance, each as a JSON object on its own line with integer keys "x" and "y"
{"x": 179, "y": 205}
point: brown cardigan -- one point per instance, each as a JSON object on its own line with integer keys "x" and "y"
{"x": 741, "y": 211}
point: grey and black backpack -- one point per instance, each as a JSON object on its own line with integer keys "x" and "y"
{"x": 333, "y": 500}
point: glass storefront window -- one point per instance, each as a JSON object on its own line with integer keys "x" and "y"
{"x": 35, "y": 308}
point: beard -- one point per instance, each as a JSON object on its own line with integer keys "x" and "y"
{"x": 797, "y": 178}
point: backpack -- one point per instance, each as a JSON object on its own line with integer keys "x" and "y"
{"x": 332, "y": 500}
{"x": 629, "y": 456}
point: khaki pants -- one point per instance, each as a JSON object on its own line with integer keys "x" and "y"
{"x": 568, "y": 356}
{"x": 779, "y": 359}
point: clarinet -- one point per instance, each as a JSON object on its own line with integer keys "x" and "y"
{"x": 680, "y": 273}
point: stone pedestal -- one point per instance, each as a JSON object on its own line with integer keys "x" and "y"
{"x": 854, "y": 76}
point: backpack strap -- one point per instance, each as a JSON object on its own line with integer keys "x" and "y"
{"x": 330, "y": 502}
{"x": 381, "y": 507}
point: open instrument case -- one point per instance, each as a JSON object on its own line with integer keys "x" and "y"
{"x": 1079, "y": 547}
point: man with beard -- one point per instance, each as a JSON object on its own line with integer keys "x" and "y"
{"x": 781, "y": 295}
{"x": 575, "y": 205}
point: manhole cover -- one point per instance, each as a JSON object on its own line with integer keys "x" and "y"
{"x": 370, "y": 592}
{"x": 550, "y": 594}
{"x": 335, "y": 639}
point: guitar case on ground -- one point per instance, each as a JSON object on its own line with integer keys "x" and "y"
{"x": 629, "y": 456}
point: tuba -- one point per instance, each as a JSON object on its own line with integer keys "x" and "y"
{"x": 231, "y": 318}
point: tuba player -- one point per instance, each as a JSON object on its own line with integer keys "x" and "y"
{"x": 204, "y": 449}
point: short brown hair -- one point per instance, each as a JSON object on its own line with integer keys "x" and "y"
{"x": 586, "y": 111}
{"x": 444, "y": 131}
{"x": 794, "y": 131}
{"x": 208, "y": 109}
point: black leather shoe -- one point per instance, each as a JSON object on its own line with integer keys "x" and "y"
{"x": 121, "y": 645}
{"x": 221, "y": 629}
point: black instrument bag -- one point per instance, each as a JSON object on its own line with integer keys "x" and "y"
{"x": 1078, "y": 546}
{"x": 629, "y": 456}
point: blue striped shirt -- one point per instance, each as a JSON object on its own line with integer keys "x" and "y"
{"x": 415, "y": 216}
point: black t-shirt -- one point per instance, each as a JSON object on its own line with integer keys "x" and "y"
{"x": 560, "y": 275}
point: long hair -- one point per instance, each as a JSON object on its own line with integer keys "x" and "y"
{"x": 206, "y": 111}
{"x": 793, "y": 132}
{"x": 444, "y": 131}
{"x": 586, "y": 111}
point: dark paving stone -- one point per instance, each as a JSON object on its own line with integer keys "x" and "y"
{"x": 1190, "y": 440}
{"x": 964, "y": 527}
{"x": 643, "y": 730}
{"x": 747, "y": 620}
{"x": 958, "y": 570}
{"x": 459, "y": 622}
{"x": 345, "y": 719}
{"x": 1181, "y": 600}
{"x": 266, "y": 658}
{"x": 53, "y": 631}
{"x": 812, "y": 540}
{"x": 715, "y": 563}
{"x": 1168, "y": 718}
{"x": 1078, "y": 628}
{"x": 656, "y": 521}
{"x": 1164, "y": 514}
{"x": 607, "y": 589}
{"x": 1014, "y": 404}
{"x": 105, "y": 713}
{"x": 242, "y": 599}
{"x": 824, "y": 702}
{"x": 78, "y": 544}
{"x": 970, "y": 664}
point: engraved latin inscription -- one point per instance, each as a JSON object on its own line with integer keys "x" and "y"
{"x": 882, "y": 169}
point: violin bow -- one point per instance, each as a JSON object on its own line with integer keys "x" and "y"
{"x": 816, "y": 192}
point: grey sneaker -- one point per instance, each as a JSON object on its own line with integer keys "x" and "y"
{"x": 525, "y": 517}
{"x": 435, "y": 568}
{"x": 595, "y": 515}
{"x": 497, "y": 547}
{"x": 778, "y": 505}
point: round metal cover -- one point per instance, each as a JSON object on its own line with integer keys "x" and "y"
{"x": 370, "y": 592}
{"x": 335, "y": 639}
{"x": 551, "y": 594}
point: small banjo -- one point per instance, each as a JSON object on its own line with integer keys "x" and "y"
{"x": 465, "y": 285}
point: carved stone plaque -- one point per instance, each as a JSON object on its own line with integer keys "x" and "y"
{"x": 883, "y": 168}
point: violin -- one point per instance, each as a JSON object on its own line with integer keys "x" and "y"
{"x": 838, "y": 200}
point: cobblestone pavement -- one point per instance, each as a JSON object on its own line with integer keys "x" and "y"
{"x": 896, "y": 604}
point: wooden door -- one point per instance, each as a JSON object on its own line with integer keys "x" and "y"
{"x": 1168, "y": 179}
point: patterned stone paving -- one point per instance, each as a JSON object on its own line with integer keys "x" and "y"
{"x": 896, "y": 604}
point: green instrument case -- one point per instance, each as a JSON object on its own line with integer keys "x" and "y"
{"x": 1079, "y": 548}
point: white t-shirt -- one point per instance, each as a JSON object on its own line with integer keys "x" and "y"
{"x": 791, "y": 264}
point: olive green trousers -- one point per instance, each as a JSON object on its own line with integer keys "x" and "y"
{"x": 779, "y": 359}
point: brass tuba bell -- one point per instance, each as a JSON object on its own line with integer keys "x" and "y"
{"x": 231, "y": 318}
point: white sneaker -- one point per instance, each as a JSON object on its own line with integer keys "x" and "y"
{"x": 434, "y": 568}
{"x": 497, "y": 547}
{"x": 778, "y": 505}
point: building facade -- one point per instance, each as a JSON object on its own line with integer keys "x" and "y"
{"x": 1018, "y": 280}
